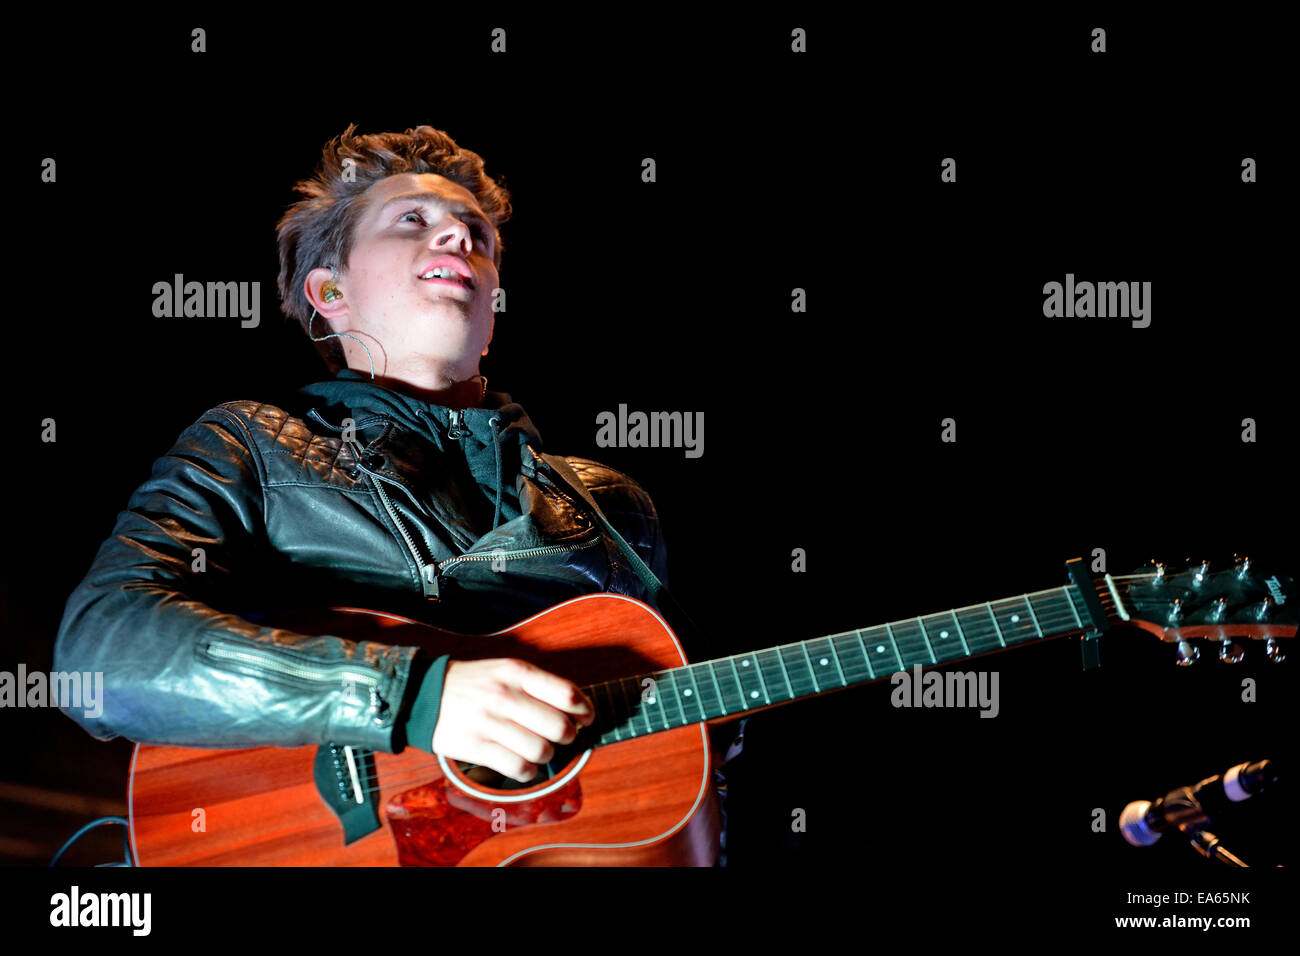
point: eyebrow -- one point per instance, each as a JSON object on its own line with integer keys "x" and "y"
{"x": 435, "y": 200}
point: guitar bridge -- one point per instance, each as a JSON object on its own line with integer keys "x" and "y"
{"x": 346, "y": 782}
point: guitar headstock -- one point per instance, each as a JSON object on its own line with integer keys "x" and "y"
{"x": 1223, "y": 605}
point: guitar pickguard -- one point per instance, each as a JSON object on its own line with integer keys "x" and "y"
{"x": 437, "y": 824}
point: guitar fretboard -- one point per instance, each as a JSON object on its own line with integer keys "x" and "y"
{"x": 729, "y": 686}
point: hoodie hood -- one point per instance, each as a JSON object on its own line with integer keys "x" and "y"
{"x": 491, "y": 437}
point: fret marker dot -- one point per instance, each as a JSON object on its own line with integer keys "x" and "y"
{"x": 880, "y": 648}
{"x": 823, "y": 662}
{"x": 753, "y": 693}
{"x": 943, "y": 633}
{"x": 649, "y": 700}
{"x": 1014, "y": 618}
{"x": 686, "y": 692}
{"x": 744, "y": 663}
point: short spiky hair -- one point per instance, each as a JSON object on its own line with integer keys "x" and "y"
{"x": 318, "y": 230}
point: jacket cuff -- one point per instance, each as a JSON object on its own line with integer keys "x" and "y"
{"x": 423, "y": 715}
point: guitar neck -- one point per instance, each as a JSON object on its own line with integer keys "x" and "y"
{"x": 732, "y": 686}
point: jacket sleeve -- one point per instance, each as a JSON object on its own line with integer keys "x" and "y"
{"x": 154, "y": 617}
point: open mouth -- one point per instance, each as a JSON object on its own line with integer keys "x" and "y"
{"x": 447, "y": 275}
{"x": 455, "y": 281}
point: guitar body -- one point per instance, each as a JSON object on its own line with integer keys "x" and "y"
{"x": 644, "y": 801}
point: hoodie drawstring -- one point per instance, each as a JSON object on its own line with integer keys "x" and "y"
{"x": 496, "y": 447}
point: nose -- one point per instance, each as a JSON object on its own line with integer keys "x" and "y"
{"x": 453, "y": 237}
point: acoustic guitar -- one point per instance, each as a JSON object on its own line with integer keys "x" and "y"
{"x": 635, "y": 787}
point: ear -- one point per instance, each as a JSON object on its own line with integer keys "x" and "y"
{"x": 312, "y": 289}
{"x": 489, "y": 341}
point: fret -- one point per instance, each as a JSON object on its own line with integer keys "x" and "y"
{"x": 611, "y": 735}
{"x": 822, "y": 650}
{"x": 994, "y": 618}
{"x": 812, "y": 671}
{"x": 1069, "y": 599}
{"x": 977, "y": 630}
{"x": 1032, "y": 616}
{"x": 925, "y": 634}
{"x": 785, "y": 673}
{"x": 622, "y": 711}
{"x": 710, "y": 694}
{"x": 692, "y": 694}
{"x": 618, "y": 714}
{"x": 799, "y": 667}
{"x": 772, "y": 671}
{"x": 945, "y": 637}
{"x": 740, "y": 687}
{"x": 677, "y": 696}
{"x": 852, "y": 654}
{"x": 711, "y": 688}
{"x": 652, "y": 700}
{"x": 732, "y": 701}
{"x": 751, "y": 682}
{"x": 1054, "y": 611}
{"x": 1015, "y": 621}
{"x": 633, "y": 699}
{"x": 613, "y": 711}
{"x": 878, "y": 652}
{"x": 911, "y": 644}
{"x": 960, "y": 633}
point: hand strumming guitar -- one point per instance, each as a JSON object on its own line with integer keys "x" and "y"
{"x": 507, "y": 714}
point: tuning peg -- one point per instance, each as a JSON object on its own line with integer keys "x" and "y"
{"x": 1176, "y": 611}
{"x": 1217, "y": 609}
{"x": 1243, "y": 567}
{"x": 1261, "y": 612}
{"x": 1201, "y": 573}
{"x": 1274, "y": 651}
{"x": 1187, "y": 654}
{"x": 1160, "y": 573}
{"x": 1230, "y": 652}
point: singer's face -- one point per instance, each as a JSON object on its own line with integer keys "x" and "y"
{"x": 414, "y": 222}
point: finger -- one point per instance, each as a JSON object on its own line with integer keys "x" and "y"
{"x": 520, "y": 741}
{"x": 541, "y": 719}
{"x": 555, "y": 690}
{"x": 490, "y": 754}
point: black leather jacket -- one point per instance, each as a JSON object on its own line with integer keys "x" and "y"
{"x": 362, "y": 497}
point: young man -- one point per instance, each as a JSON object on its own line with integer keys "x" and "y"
{"x": 361, "y": 496}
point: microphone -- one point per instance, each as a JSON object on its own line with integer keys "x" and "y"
{"x": 1142, "y": 821}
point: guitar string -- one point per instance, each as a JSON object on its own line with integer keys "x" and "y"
{"x": 1049, "y": 621}
{"x": 1051, "y": 618}
{"x": 415, "y": 777}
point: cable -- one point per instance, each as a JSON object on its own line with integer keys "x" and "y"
{"x": 126, "y": 844}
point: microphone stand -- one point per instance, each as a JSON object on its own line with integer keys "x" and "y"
{"x": 1207, "y": 844}
{"x": 1190, "y": 816}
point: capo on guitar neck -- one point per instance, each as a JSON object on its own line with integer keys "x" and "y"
{"x": 1090, "y": 641}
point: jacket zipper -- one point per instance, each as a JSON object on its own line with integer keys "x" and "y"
{"x": 315, "y": 674}
{"x": 429, "y": 568}
{"x": 588, "y": 542}
{"x": 457, "y": 426}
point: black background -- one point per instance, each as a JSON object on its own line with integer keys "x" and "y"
{"x": 822, "y": 429}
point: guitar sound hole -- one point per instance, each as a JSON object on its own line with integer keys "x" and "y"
{"x": 487, "y": 777}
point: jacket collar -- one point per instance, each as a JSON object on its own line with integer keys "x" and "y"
{"x": 355, "y": 391}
